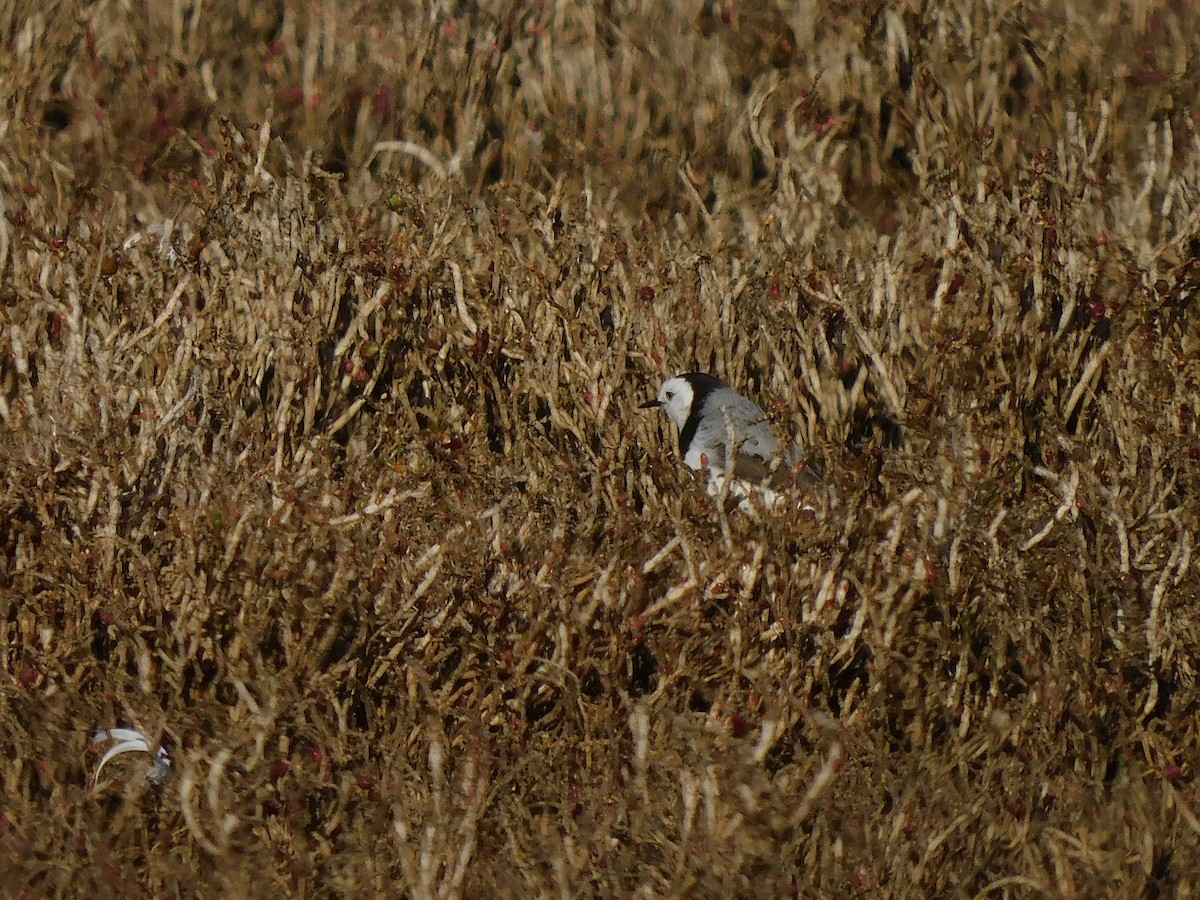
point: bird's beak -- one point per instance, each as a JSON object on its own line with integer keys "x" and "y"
{"x": 650, "y": 405}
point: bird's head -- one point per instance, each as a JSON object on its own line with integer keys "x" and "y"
{"x": 675, "y": 399}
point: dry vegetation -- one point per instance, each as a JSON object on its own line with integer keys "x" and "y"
{"x": 322, "y": 331}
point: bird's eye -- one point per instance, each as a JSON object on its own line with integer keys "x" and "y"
{"x": 670, "y": 395}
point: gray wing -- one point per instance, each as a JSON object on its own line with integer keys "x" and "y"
{"x": 757, "y": 449}
{"x": 725, "y": 410}
{"x": 752, "y": 430}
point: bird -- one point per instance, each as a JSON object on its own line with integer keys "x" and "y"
{"x": 128, "y": 740}
{"x": 730, "y": 436}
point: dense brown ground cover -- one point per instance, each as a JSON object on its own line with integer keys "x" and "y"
{"x": 322, "y": 331}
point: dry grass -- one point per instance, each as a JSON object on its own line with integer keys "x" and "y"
{"x": 322, "y": 330}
